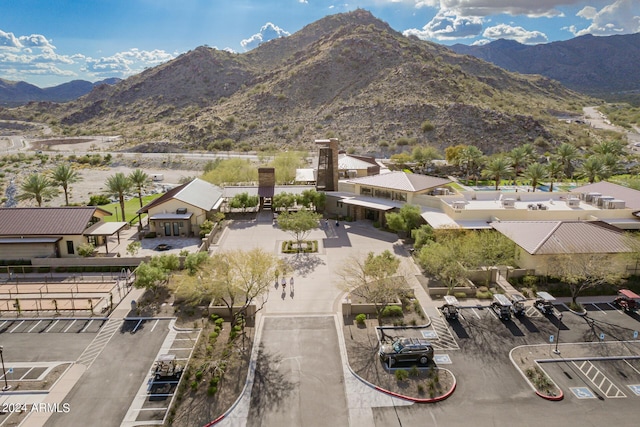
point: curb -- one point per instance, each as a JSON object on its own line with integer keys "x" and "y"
{"x": 551, "y": 398}
{"x": 419, "y": 400}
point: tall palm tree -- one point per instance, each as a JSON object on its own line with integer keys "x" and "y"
{"x": 38, "y": 187}
{"x": 566, "y": 153}
{"x": 555, "y": 170}
{"x": 518, "y": 159}
{"x": 536, "y": 173}
{"x": 470, "y": 158}
{"x": 64, "y": 175}
{"x": 610, "y": 162}
{"x": 497, "y": 169}
{"x": 138, "y": 180}
{"x": 118, "y": 185}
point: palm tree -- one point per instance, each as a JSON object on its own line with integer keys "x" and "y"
{"x": 566, "y": 154}
{"x": 38, "y": 187}
{"x": 536, "y": 173}
{"x": 118, "y": 185}
{"x": 471, "y": 158}
{"x": 518, "y": 158}
{"x": 64, "y": 175}
{"x": 138, "y": 180}
{"x": 497, "y": 169}
{"x": 555, "y": 170}
{"x": 592, "y": 168}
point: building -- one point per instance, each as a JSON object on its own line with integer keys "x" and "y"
{"x": 27, "y": 233}
{"x": 181, "y": 210}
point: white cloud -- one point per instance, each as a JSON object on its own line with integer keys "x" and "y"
{"x": 268, "y": 32}
{"x": 126, "y": 63}
{"x": 445, "y": 26}
{"x": 480, "y": 42}
{"x": 519, "y": 34}
{"x": 620, "y": 17}
{"x": 8, "y": 40}
{"x": 481, "y": 8}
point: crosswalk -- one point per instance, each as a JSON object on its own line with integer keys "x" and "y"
{"x": 445, "y": 339}
{"x": 598, "y": 379}
{"x": 99, "y": 342}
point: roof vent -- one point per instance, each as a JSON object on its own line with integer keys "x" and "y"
{"x": 181, "y": 211}
{"x": 573, "y": 202}
{"x": 508, "y": 202}
{"x": 614, "y": 204}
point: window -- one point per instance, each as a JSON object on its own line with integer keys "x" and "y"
{"x": 366, "y": 191}
{"x": 70, "y": 249}
{"x": 339, "y": 204}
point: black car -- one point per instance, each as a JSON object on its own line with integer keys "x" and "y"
{"x": 407, "y": 350}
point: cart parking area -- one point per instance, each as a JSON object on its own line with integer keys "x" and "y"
{"x": 51, "y": 325}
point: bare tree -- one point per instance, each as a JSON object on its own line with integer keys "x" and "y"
{"x": 373, "y": 278}
{"x": 584, "y": 271}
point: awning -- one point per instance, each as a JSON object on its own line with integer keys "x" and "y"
{"x": 439, "y": 219}
{"x": 171, "y": 216}
{"x": 623, "y": 223}
{"x": 14, "y": 240}
{"x": 371, "y": 203}
{"x": 104, "y": 228}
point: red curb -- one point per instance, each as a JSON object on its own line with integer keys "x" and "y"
{"x": 416, "y": 399}
{"x": 214, "y": 422}
{"x": 551, "y": 398}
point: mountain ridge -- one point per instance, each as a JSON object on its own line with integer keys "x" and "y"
{"x": 14, "y": 93}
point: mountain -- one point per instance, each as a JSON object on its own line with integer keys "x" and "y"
{"x": 589, "y": 64}
{"x": 349, "y": 76}
{"x": 18, "y": 93}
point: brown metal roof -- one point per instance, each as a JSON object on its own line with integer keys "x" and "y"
{"x": 564, "y": 237}
{"x": 45, "y": 221}
{"x": 630, "y": 196}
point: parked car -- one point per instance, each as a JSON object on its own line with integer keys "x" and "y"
{"x": 544, "y": 303}
{"x": 166, "y": 367}
{"x": 518, "y": 308}
{"x": 406, "y": 350}
{"x": 501, "y": 305}
{"x": 451, "y": 307}
{"x": 627, "y": 300}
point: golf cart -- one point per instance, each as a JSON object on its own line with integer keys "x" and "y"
{"x": 501, "y": 305}
{"x": 166, "y": 367}
{"x": 544, "y": 303}
{"x": 517, "y": 304}
{"x": 451, "y": 307}
{"x": 627, "y": 300}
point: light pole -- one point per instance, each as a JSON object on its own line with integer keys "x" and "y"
{"x": 4, "y": 373}
{"x": 556, "y": 351}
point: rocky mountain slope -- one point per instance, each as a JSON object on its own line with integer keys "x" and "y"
{"x": 348, "y": 75}
{"x": 18, "y": 93}
{"x": 589, "y": 64}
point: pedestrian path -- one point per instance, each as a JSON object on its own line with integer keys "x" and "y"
{"x": 99, "y": 342}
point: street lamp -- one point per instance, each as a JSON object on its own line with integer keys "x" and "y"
{"x": 556, "y": 351}
{"x": 4, "y": 373}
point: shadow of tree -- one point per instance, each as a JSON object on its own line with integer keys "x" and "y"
{"x": 271, "y": 387}
{"x": 304, "y": 264}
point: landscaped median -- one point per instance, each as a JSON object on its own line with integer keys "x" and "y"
{"x": 530, "y": 359}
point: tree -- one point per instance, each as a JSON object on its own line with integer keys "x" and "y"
{"x": 440, "y": 259}
{"x": 64, "y": 175}
{"x": 566, "y": 153}
{"x": 518, "y": 158}
{"x": 555, "y": 171}
{"x": 592, "y": 169}
{"x": 138, "y": 180}
{"x": 231, "y": 171}
{"x": 535, "y": 172}
{"x": 298, "y": 224}
{"x": 37, "y": 187}
{"x": 156, "y": 272}
{"x": 310, "y": 198}
{"x": 582, "y": 271}
{"x": 497, "y": 169}
{"x": 118, "y": 185}
{"x": 470, "y": 158}
{"x": 374, "y": 279}
{"x": 407, "y": 219}
{"x": 286, "y": 163}
{"x": 283, "y": 200}
{"x": 244, "y": 201}
{"x": 424, "y": 155}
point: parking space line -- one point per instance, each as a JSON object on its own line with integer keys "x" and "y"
{"x": 3, "y": 323}
{"x": 137, "y": 326}
{"x": 476, "y": 313}
{"x": 51, "y": 326}
{"x": 34, "y": 326}
{"x": 67, "y": 328}
{"x": 596, "y": 306}
{"x": 631, "y": 366}
{"x": 86, "y": 326}
{"x": 155, "y": 324}
{"x": 612, "y": 391}
{"x": 11, "y": 331}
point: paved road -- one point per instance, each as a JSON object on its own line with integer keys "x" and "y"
{"x": 298, "y": 378}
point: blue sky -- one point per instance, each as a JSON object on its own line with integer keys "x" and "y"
{"x": 48, "y": 42}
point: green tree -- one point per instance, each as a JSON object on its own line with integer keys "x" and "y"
{"x": 37, "y": 187}
{"x": 497, "y": 169}
{"x": 156, "y": 272}
{"x": 470, "y": 159}
{"x": 312, "y": 198}
{"x": 64, "y": 175}
{"x": 591, "y": 169}
{"x": 567, "y": 153}
{"x": 375, "y": 279}
{"x": 283, "y": 201}
{"x": 406, "y": 219}
{"x": 425, "y": 155}
{"x": 231, "y": 171}
{"x": 118, "y": 185}
{"x": 244, "y": 201}
{"x": 555, "y": 171}
{"x": 518, "y": 159}
{"x": 139, "y": 179}
{"x": 298, "y": 224}
{"x": 535, "y": 173}
{"x": 286, "y": 163}
{"x": 440, "y": 259}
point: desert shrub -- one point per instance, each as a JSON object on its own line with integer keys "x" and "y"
{"x": 86, "y": 250}
{"x": 401, "y": 375}
{"x": 392, "y": 311}
{"x": 427, "y": 126}
{"x": 360, "y": 318}
{"x": 414, "y": 372}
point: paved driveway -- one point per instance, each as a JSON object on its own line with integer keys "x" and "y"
{"x": 298, "y": 377}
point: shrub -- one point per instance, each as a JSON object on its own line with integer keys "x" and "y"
{"x": 414, "y": 372}
{"x": 212, "y": 390}
{"x": 98, "y": 200}
{"x": 420, "y": 389}
{"x": 401, "y": 375}
{"x": 199, "y": 375}
{"x": 427, "y": 126}
{"x": 360, "y": 318}
{"x": 392, "y": 311}
{"x": 86, "y": 250}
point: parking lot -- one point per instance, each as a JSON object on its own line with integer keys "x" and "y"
{"x": 52, "y": 325}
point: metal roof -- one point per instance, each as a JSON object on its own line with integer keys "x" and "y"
{"x": 104, "y": 228}
{"x": 45, "y": 221}
{"x": 401, "y": 181}
{"x": 346, "y": 161}
{"x": 372, "y": 203}
{"x": 630, "y": 196}
{"x": 198, "y": 193}
{"x": 563, "y": 237}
